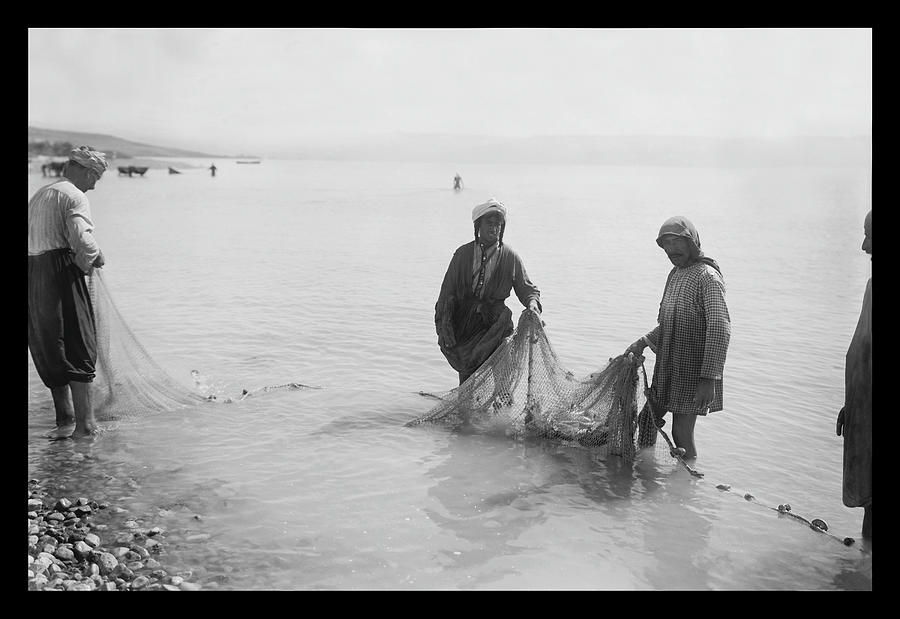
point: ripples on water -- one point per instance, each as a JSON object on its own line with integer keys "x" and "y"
{"x": 326, "y": 274}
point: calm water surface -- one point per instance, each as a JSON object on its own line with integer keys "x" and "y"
{"x": 326, "y": 273}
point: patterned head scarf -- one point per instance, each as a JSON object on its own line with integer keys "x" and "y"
{"x": 89, "y": 158}
{"x": 682, "y": 227}
{"x": 487, "y": 207}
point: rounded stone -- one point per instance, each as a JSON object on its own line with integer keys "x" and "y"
{"x": 106, "y": 562}
{"x": 64, "y": 553}
{"x": 92, "y": 540}
{"x": 140, "y": 582}
{"x": 91, "y": 570}
{"x": 130, "y": 556}
{"x": 37, "y": 582}
{"x": 152, "y": 563}
{"x": 82, "y": 550}
{"x": 121, "y": 570}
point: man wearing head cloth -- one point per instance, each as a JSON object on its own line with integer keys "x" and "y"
{"x": 854, "y": 421}
{"x": 691, "y": 338}
{"x": 61, "y": 323}
{"x": 470, "y": 315}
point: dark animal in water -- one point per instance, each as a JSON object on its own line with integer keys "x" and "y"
{"x": 53, "y": 168}
{"x": 129, "y": 170}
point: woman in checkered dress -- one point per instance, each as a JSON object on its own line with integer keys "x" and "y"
{"x": 692, "y": 335}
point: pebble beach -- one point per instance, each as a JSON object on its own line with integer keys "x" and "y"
{"x": 68, "y": 550}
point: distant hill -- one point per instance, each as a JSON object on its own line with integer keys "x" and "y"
{"x": 115, "y": 148}
{"x": 615, "y": 150}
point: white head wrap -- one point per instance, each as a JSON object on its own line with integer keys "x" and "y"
{"x": 89, "y": 158}
{"x": 487, "y": 207}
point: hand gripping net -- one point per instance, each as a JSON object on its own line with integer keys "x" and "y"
{"x": 128, "y": 382}
{"x": 522, "y": 390}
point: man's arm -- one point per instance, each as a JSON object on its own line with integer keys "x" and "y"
{"x": 80, "y": 235}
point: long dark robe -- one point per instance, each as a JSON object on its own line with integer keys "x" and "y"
{"x": 61, "y": 323}
{"x": 479, "y": 325}
{"x": 857, "y": 429}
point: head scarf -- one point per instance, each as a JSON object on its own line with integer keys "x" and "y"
{"x": 489, "y": 206}
{"x": 89, "y": 158}
{"x": 682, "y": 227}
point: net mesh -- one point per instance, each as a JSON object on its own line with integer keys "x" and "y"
{"x": 128, "y": 381}
{"x": 523, "y": 390}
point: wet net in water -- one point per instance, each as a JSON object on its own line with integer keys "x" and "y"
{"x": 522, "y": 390}
{"x": 128, "y": 381}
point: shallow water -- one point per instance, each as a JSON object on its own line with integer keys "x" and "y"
{"x": 326, "y": 273}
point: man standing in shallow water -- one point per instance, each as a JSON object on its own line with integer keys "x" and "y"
{"x": 692, "y": 335}
{"x": 470, "y": 315}
{"x": 854, "y": 421}
{"x": 61, "y": 321}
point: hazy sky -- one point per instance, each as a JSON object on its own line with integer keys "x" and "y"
{"x": 263, "y": 90}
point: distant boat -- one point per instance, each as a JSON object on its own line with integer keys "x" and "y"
{"x": 173, "y": 171}
{"x": 245, "y": 161}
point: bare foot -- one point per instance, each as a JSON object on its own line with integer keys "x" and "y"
{"x": 85, "y": 432}
{"x": 60, "y": 432}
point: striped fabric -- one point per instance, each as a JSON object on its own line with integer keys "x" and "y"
{"x": 59, "y": 217}
{"x": 691, "y": 339}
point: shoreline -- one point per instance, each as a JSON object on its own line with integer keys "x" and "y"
{"x": 66, "y": 552}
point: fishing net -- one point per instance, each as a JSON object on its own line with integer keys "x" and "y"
{"x": 522, "y": 390}
{"x": 128, "y": 381}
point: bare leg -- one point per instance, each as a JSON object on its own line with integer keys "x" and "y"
{"x": 683, "y": 434}
{"x": 85, "y": 425}
{"x": 867, "y": 522}
{"x": 62, "y": 402}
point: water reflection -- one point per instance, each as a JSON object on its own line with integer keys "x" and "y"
{"x": 487, "y": 492}
{"x": 679, "y": 538}
{"x": 654, "y": 496}
{"x": 855, "y": 571}
{"x": 506, "y": 501}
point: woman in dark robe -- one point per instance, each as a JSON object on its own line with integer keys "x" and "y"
{"x": 854, "y": 421}
{"x": 470, "y": 316}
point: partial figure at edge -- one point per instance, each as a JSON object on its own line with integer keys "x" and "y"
{"x": 62, "y": 250}
{"x": 854, "y": 421}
